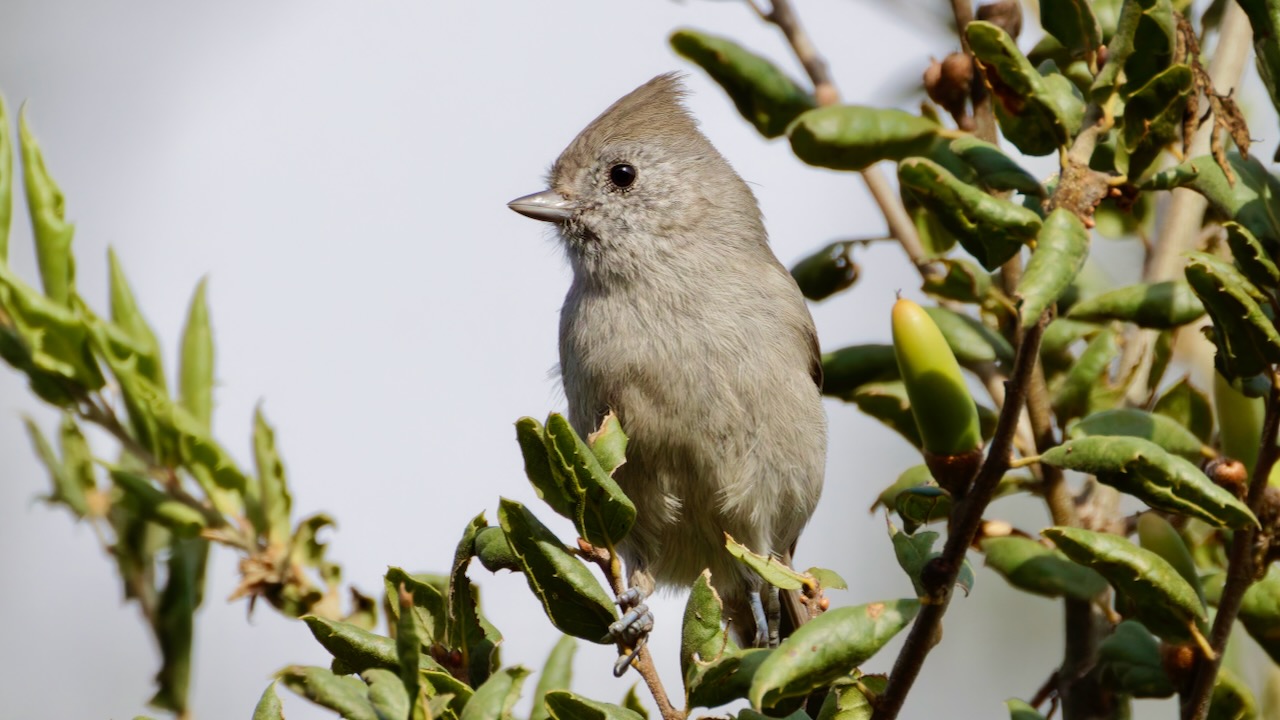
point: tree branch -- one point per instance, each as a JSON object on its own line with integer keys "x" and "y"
{"x": 783, "y": 15}
{"x": 1241, "y": 572}
{"x": 967, "y": 519}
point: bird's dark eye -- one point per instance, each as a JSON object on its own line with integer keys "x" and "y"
{"x": 622, "y": 175}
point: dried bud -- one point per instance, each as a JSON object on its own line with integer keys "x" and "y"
{"x": 1007, "y": 14}
{"x": 934, "y": 578}
{"x": 1177, "y": 661}
{"x": 948, "y": 83}
{"x": 1228, "y": 473}
{"x": 1103, "y": 54}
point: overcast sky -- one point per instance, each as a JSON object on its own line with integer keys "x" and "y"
{"x": 339, "y": 171}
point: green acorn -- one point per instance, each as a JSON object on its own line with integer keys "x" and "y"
{"x": 943, "y": 409}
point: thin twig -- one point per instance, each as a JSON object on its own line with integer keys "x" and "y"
{"x": 783, "y": 15}
{"x": 607, "y": 560}
{"x": 1184, "y": 216}
{"x": 967, "y": 518}
{"x": 984, "y": 120}
{"x": 1240, "y": 567}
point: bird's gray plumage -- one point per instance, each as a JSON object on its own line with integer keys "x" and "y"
{"x": 681, "y": 320}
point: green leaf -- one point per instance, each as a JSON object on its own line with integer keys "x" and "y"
{"x": 343, "y": 694}
{"x": 826, "y": 272}
{"x": 1150, "y": 473}
{"x": 1252, "y": 259}
{"x": 47, "y": 207}
{"x": 564, "y": 705}
{"x": 195, "y": 377}
{"x": 1159, "y": 429}
{"x": 429, "y": 604}
{"x": 354, "y": 647}
{"x": 569, "y": 593}
{"x": 915, "y": 551}
{"x": 1157, "y": 535}
{"x": 6, "y": 182}
{"x": 855, "y": 137}
{"x": 174, "y": 623}
{"x": 557, "y": 674}
{"x": 1188, "y": 407}
{"x": 1037, "y": 114}
{"x": 995, "y": 170}
{"x": 443, "y": 685}
{"x": 1264, "y": 16}
{"x": 1019, "y": 710}
{"x": 846, "y": 370}
{"x": 1249, "y": 200}
{"x": 631, "y": 701}
{"x": 156, "y": 505}
{"x": 1247, "y": 340}
{"x": 466, "y": 631}
{"x": 945, "y": 412}
{"x": 47, "y": 341}
{"x": 1129, "y": 663}
{"x": 1153, "y": 116}
{"x": 1141, "y": 47}
{"x": 269, "y": 707}
{"x": 126, "y": 316}
{"x": 973, "y": 343}
{"x": 923, "y": 505}
{"x": 955, "y": 279}
{"x": 1232, "y": 699}
{"x": 1073, "y": 396}
{"x": 1239, "y": 422}
{"x": 768, "y": 567}
{"x": 828, "y": 647}
{"x": 171, "y": 433}
{"x": 72, "y": 486}
{"x": 1161, "y": 305}
{"x": 271, "y": 504}
{"x": 846, "y": 702}
{"x": 990, "y": 229}
{"x": 495, "y": 699}
{"x": 609, "y": 444}
{"x": 765, "y": 96}
{"x": 409, "y": 640}
{"x": 1071, "y": 22}
{"x": 1032, "y": 567}
{"x": 724, "y": 679}
{"x": 1060, "y": 336}
{"x": 715, "y": 670}
{"x": 1162, "y": 600}
{"x": 914, "y": 476}
{"x": 537, "y": 466}
{"x": 1061, "y": 248}
{"x": 494, "y": 551}
{"x": 1260, "y": 612}
{"x": 389, "y": 696}
{"x": 602, "y": 514}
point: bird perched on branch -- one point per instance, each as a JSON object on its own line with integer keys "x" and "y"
{"x": 681, "y": 320}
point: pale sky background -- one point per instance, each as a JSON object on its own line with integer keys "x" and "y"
{"x": 339, "y": 170}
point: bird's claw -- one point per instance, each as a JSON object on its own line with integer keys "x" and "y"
{"x": 631, "y": 631}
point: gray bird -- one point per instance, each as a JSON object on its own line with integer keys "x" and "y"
{"x": 682, "y": 322}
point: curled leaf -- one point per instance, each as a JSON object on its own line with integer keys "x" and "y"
{"x": 855, "y": 137}
{"x": 765, "y": 96}
{"x": 1149, "y": 472}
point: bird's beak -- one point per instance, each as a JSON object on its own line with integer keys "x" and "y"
{"x": 548, "y": 206}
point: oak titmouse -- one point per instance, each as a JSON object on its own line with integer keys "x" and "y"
{"x": 681, "y": 320}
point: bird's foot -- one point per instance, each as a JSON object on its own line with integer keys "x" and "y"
{"x": 762, "y": 620}
{"x": 767, "y": 629}
{"x": 631, "y": 631}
